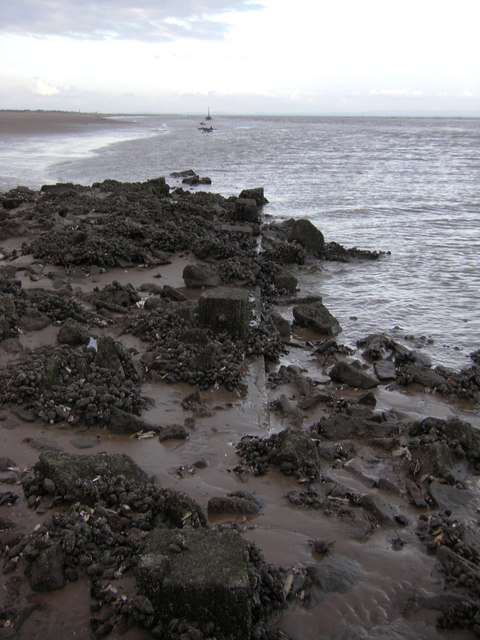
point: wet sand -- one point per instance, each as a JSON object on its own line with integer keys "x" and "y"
{"x": 21, "y": 123}
{"x": 375, "y": 603}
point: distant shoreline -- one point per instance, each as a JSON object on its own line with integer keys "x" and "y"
{"x": 51, "y": 122}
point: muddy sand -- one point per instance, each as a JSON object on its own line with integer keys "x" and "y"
{"x": 187, "y": 450}
{"x": 50, "y": 122}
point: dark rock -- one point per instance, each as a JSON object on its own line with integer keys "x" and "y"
{"x": 182, "y": 510}
{"x": 173, "y": 432}
{"x": 116, "y": 297}
{"x": 385, "y": 370}
{"x": 72, "y": 333}
{"x": 281, "y": 324}
{"x": 379, "y": 508}
{"x": 46, "y": 572}
{"x": 448, "y": 497}
{"x": 172, "y": 294}
{"x": 34, "y": 320}
{"x": 124, "y": 422}
{"x": 207, "y": 582}
{"x": 225, "y": 310}
{"x": 294, "y": 452}
{"x": 317, "y": 317}
{"x": 196, "y": 276}
{"x": 335, "y": 573}
{"x": 351, "y": 375}
{"x": 307, "y": 234}
{"x": 232, "y": 504}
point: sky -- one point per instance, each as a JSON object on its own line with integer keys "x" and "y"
{"x": 241, "y": 56}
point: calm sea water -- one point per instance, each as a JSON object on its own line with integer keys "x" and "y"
{"x": 408, "y": 186}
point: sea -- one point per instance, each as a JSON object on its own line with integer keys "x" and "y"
{"x": 409, "y": 187}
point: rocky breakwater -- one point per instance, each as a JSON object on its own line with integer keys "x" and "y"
{"x": 85, "y": 327}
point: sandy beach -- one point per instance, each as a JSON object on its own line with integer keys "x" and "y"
{"x": 353, "y": 474}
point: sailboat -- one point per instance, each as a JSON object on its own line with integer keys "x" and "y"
{"x": 209, "y": 117}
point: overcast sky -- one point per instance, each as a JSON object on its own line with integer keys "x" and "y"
{"x": 241, "y": 56}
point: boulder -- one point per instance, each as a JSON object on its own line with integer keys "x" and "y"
{"x": 317, "y": 317}
{"x": 352, "y": 375}
{"x": 205, "y": 579}
{"x": 246, "y": 210}
{"x": 196, "y": 276}
{"x": 225, "y": 310}
{"x": 306, "y": 234}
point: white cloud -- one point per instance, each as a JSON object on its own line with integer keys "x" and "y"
{"x": 44, "y": 89}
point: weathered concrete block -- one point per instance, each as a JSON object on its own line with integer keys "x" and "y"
{"x": 204, "y": 579}
{"x": 256, "y": 194}
{"x": 285, "y": 281}
{"x": 246, "y": 210}
{"x": 225, "y": 309}
{"x": 64, "y": 469}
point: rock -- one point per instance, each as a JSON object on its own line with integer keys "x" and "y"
{"x": 116, "y": 297}
{"x": 72, "y": 333}
{"x": 124, "y": 422}
{"x": 281, "y": 324}
{"x": 225, "y": 310}
{"x": 34, "y": 320}
{"x": 335, "y": 573}
{"x": 196, "y": 276}
{"x": 173, "y": 432}
{"x": 46, "y": 572}
{"x": 207, "y": 582}
{"x": 295, "y": 453}
{"x": 172, "y": 294}
{"x": 246, "y": 210}
{"x": 385, "y": 370}
{"x": 317, "y": 317}
{"x": 257, "y": 194}
{"x": 232, "y": 504}
{"x": 352, "y": 376}
{"x": 307, "y": 234}
{"x": 448, "y": 497}
{"x": 66, "y": 469}
{"x": 182, "y": 510}
{"x": 379, "y": 508}
{"x": 285, "y": 281}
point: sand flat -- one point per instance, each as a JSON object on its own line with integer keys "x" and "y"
{"x": 51, "y": 122}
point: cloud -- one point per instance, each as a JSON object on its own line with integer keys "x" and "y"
{"x": 43, "y": 89}
{"x": 145, "y": 20}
